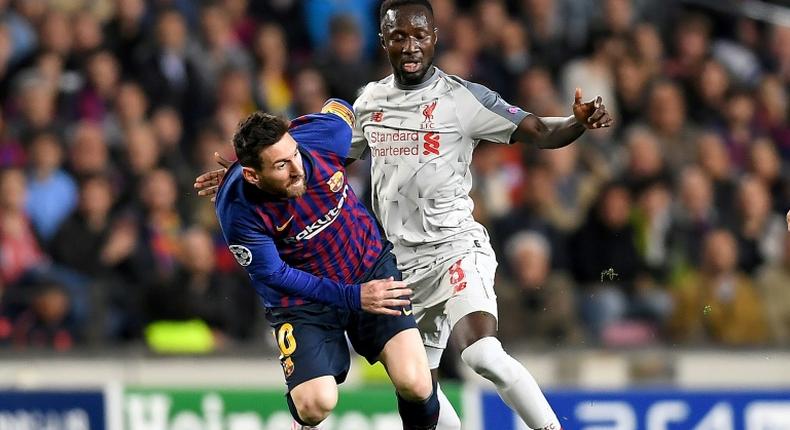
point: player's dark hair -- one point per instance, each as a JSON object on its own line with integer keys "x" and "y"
{"x": 254, "y": 133}
{"x": 394, "y": 4}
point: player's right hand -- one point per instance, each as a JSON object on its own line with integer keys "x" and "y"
{"x": 207, "y": 183}
{"x": 380, "y": 296}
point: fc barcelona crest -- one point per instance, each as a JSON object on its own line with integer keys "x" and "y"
{"x": 288, "y": 366}
{"x": 336, "y": 182}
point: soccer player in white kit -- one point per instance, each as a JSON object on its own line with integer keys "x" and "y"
{"x": 420, "y": 126}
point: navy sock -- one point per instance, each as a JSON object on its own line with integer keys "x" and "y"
{"x": 419, "y": 415}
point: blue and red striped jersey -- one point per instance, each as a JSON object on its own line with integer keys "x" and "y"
{"x": 313, "y": 248}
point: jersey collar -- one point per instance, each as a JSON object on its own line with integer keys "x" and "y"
{"x": 436, "y": 74}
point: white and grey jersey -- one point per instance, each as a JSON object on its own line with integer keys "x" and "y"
{"x": 421, "y": 140}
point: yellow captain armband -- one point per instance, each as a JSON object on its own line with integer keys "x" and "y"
{"x": 335, "y": 107}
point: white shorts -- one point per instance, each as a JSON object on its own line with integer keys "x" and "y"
{"x": 449, "y": 291}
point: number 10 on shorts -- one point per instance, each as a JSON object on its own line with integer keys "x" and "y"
{"x": 285, "y": 340}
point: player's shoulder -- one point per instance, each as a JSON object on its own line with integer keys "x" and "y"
{"x": 371, "y": 89}
{"x": 459, "y": 83}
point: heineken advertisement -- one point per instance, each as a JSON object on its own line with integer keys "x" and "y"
{"x": 364, "y": 408}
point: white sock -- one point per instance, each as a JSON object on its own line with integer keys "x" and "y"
{"x": 515, "y": 385}
{"x": 448, "y": 418}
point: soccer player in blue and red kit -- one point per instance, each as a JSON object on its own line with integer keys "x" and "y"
{"x": 316, "y": 257}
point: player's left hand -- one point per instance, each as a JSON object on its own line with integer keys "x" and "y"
{"x": 592, "y": 114}
{"x": 207, "y": 183}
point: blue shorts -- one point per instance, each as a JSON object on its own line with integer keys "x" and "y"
{"x": 312, "y": 340}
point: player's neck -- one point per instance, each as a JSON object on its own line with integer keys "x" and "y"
{"x": 430, "y": 75}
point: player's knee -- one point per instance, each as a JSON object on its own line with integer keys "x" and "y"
{"x": 315, "y": 407}
{"x": 487, "y": 358}
{"x": 414, "y": 384}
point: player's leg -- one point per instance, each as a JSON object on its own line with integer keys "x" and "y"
{"x": 312, "y": 401}
{"x": 314, "y": 356}
{"x": 404, "y": 358}
{"x": 448, "y": 417}
{"x": 472, "y": 312}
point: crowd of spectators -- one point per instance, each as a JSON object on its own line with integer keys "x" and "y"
{"x": 666, "y": 229}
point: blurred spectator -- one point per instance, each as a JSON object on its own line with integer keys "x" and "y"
{"x": 310, "y": 92}
{"x": 707, "y": 101}
{"x": 773, "y": 283}
{"x": 142, "y": 156}
{"x": 780, "y": 51}
{"x": 160, "y": 226}
{"x": 694, "y": 215}
{"x": 691, "y": 47}
{"x": 20, "y": 251}
{"x": 631, "y": 78}
{"x": 198, "y": 291}
{"x": 95, "y": 100}
{"x": 37, "y": 109}
{"x": 649, "y": 48}
{"x": 739, "y": 129}
{"x": 713, "y": 158}
{"x": 541, "y": 302}
{"x": 169, "y": 71}
{"x": 765, "y": 165}
{"x": 666, "y": 116}
{"x": 51, "y": 192}
{"x": 606, "y": 243}
{"x": 645, "y": 163}
{"x": 241, "y": 22}
{"x": 81, "y": 240}
{"x": 546, "y": 31}
{"x": 124, "y": 33}
{"x": 653, "y": 221}
{"x": 772, "y": 113}
{"x": 574, "y": 187}
{"x": 759, "y": 231}
{"x": 220, "y": 49}
{"x": 343, "y": 63}
{"x": 88, "y": 35}
{"x": 320, "y": 13}
{"x": 12, "y": 154}
{"x": 536, "y": 93}
{"x": 131, "y": 107}
{"x": 18, "y": 32}
{"x": 717, "y": 304}
{"x": 88, "y": 152}
{"x": 44, "y": 322}
{"x": 272, "y": 92}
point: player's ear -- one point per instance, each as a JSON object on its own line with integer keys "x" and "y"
{"x": 381, "y": 40}
{"x": 250, "y": 175}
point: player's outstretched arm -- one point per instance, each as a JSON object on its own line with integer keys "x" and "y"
{"x": 556, "y": 132}
{"x": 207, "y": 183}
